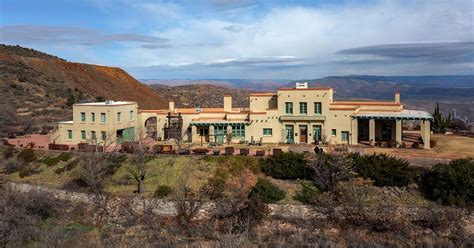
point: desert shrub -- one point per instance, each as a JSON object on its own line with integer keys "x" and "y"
{"x": 215, "y": 187}
{"x": 162, "y": 191}
{"x": 286, "y": 166}
{"x": 383, "y": 169}
{"x": 64, "y": 156}
{"x": 451, "y": 184}
{"x": 26, "y": 170}
{"x": 11, "y": 166}
{"x": 51, "y": 161}
{"x": 54, "y": 160}
{"x": 307, "y": 193}
{"x": 8, "y": 152}
{"x": 27, "y": 155}
{"x": 329, "y": 169}
{"x": 266, "y": 192}
{"x": 356, "y": 203}
{"x": 236, "y": 217}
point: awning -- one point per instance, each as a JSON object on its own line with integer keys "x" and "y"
{"x": 402, "y": 115}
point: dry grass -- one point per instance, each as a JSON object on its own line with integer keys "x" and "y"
{"x": 448, "y": 147}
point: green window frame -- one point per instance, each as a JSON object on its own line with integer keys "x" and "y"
{"x": 103, "y": 135}
{"x": 289, "y": 107}
{"x": 333, "y": 132}
{"x": 303, "y": 108}
{"x": 238, "y": 131}
{"x": 93, "y": 135}
{"x": 92, "y": 117}
{"x": 69, "y": 134}
{"x": 83, "y": 116}
{"x": 267, "y": 132}
{"x": 318, "y": 108}
{"x": 83, "y": 135}
{"x": 103, "y": 118}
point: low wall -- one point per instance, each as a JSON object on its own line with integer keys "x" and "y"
{"x": 117, "y": 207}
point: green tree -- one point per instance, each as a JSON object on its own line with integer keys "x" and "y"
{"x": 266, "y": 192}
{"x": 440, "y": 123}
{"x": 450, "y": 184}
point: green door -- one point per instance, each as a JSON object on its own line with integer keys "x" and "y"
{"x": 219, "y": 132}
{"x": 289, "y": 134}
{"x": 128, "y": 134}
{"x": 317, "y": 132}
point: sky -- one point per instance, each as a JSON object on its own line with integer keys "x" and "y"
{"x": 246, "y": 39}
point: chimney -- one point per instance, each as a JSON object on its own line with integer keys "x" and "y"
{"x": 397, "y": 97}
{"x": 171, "y": 106}
{"x": 227, "y": 103}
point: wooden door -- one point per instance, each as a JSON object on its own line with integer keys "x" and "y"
{"x": 303, "y": 134}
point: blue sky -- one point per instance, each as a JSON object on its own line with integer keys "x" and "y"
{"x": 249, "y": 39}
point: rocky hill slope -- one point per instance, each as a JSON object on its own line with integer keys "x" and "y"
{"x": 202, "y": 95}
{"x": 37, "y": 89}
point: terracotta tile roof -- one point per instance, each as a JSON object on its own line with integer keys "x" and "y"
{"x": 263, "y": 94}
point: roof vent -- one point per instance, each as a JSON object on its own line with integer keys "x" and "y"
{"x": 198, "y": 109}
{"x": 301, "y": 85}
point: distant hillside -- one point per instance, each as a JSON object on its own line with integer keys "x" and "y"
{"x": 243, "y": 84}
{"x": 202, "y": 95}
{"x": 37, "y": 89}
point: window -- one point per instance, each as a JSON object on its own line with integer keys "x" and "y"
{"x": 83, "y": 135}
{"x": 92, "y": 117}
{"x": 103, "y": 135}
{"x": 103, "y": 119}
{"x": 317, "y": 108}
{"x": 118, "y": 116}
{"x": 303, "y": 108}
{"x": 267, "y": 132}
{"x": 83, "y": 117}
{"x": 345, "y": 136}
{"x": 93, "y": 136}
{"x": 238, "y": 131}
{"x": 333, "y": 132}
{"x": 289, "y": 107}
{"x": 131, "y": 115}
{"x": 69, "y": 134}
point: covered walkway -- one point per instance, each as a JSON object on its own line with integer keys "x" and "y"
{"x": 388, "y": 126}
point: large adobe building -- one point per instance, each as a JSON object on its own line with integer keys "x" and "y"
{"x": 291, "y": 115}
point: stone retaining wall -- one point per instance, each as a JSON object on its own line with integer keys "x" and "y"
{"x": 117, "y": 207}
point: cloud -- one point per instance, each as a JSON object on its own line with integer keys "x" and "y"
{"x": 50, "y": 35}
{"x": 440, "y": 50}
{"x": 269, "y": 39}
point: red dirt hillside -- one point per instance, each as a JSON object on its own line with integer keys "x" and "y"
{"x": 38, "y": 89}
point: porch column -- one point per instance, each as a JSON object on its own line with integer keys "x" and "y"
{"x": 398, "y": 131}
{"x": 229, "y": 134}
{"x": 355, "y": 132}
{"x": 211, "y": 133}
{"x": 194, "y": 135}
{"x": 372, "y": 130}
{"x": 426, "y": 134}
